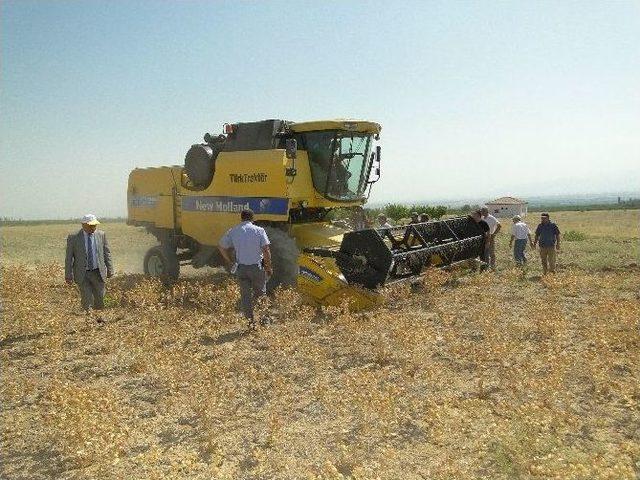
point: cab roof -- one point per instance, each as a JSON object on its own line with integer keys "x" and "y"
{"x": 351, "y": 125}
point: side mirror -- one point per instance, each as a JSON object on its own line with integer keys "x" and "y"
{"x": 375, "y": 157}
{"x": 291, "y": 147}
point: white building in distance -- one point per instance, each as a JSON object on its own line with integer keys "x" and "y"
{"x": 507, "y": 207}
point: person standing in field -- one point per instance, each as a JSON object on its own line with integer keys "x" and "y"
{"x": 424, "y": 218}
{"x": 415, "y": 218}
{"x": 520, "y": 233}
{"x": 88, "y": 263}
{"x": 252, "y": 264}
{"x": 548, "y": 234}
{"x": 383, "y": 221}
{"x": 494, "y": 229}
{"x": 476, "y": 216}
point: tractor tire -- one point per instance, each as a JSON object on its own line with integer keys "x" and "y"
{"x": 162, "y": 261}
{"x": 284, "y": 259}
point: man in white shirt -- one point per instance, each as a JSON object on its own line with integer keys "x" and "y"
{"x": 252, "y": 262}
{"x": 494, "y": 228}
{"x": 520, "y": 232}
{"x": 383, "y": 222}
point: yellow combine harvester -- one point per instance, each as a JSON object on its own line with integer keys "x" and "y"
{"x": 291, "y": 175}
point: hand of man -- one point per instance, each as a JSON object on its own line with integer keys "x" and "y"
{"x": 69, "y": 280}
{"x": 269, "y": 270}
{"x": 109, "y": 274}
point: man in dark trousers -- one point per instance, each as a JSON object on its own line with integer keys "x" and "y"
{"x": 548, "y": 234}
{"x": 476, "y": 216}
{"x": 252, "y": 264}
{"x": 88, "y": 263}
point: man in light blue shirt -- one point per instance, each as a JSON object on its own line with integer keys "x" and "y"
{"x": 253, "y": 260}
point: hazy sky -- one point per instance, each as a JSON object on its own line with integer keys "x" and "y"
{"x": 476, "y": 99}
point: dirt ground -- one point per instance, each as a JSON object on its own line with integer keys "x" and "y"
{"x": 468, "y": 375}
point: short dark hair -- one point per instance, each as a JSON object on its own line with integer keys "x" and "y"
{"x": 246, "y": 215}
{"x": 544, "y": 214}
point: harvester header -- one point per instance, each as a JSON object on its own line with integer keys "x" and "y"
{"x": 376, "y": 257}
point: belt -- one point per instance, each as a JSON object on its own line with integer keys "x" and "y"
{"x": 92, "y": 270}
{"x": 249, "y": 264}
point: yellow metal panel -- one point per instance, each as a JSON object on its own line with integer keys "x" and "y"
{"x": 259, "y": 173}
{"x": 338, "y": 124}
{"x": 164, "y": 212}
{"x": 320, "y": 283}
{"x": 149, "y": 195}
{"x": 317, "y": 234}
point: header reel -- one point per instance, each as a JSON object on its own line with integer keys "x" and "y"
{"x": 376, "y": 257}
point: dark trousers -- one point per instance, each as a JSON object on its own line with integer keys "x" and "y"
{"x": 92, "y": 290}
{"x": 253, "y": 284}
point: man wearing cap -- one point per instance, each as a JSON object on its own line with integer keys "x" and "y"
{"x": 494, "y": 229}
{"x": 548, "y": 234}
{"x": 415, "y": 218}
{"x": 88, "y": 263}
{"x": 252, "y": 263}
{"x": 520, "y": 233}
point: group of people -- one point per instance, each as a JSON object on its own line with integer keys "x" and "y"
{"x": 88, "y": 257}
{"x": 547, "y": 239}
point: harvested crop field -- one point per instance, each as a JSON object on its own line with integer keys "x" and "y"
{"x": 466, "y": 375}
